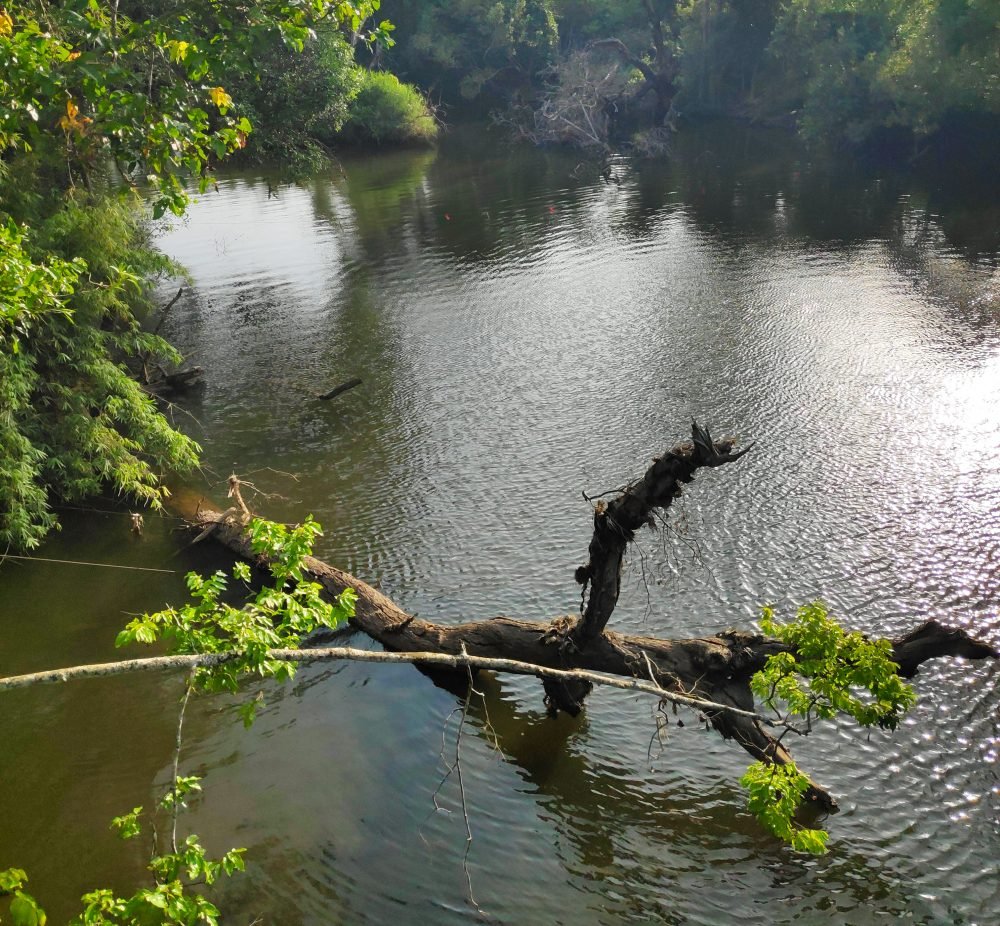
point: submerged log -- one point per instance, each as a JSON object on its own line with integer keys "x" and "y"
{"x": 171, "y": 383}
{"x": 713, "y": 668}
{"x": 337, "y": 390}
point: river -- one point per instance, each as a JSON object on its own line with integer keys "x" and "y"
{"x": 527, "y": 331}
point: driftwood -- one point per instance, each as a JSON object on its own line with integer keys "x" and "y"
{"x": 337, "y": 390}
{"x": 170, "y": 383}
{"x": 714, "y": 668}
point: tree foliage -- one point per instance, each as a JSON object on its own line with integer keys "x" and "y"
{"x": 100, "y": 100}
{"x": 845, "y": 71}
{"x": 824, "y": 672}
{"x": 862, "y": 67}
{"x": 72, "y": 418}
{"x": 279, "y": 615}
{"x": 295, "y": 99}
{"x": 387, "y": 110}
{"x": 472, "y": 46}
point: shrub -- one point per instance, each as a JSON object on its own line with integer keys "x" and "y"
{"x": 293, "y": 98}
{"x": 388, "y": 111}
{"x": 72, "y": 419}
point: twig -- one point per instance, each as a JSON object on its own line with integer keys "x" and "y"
{"x": 271, "y": 469}
{"x": 189, "y": 686}
{"x": 166, "y": 309}
{"x": 337, "y": 390}
{"x": 144, "y": 359}
{"x": 323, "y": 654}
{"x": 461, "y": 789}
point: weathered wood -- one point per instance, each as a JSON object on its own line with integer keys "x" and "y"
{"x": 174, "y": 382}
{"x": 932, "y": 640}
{"x": 189, "y": 661}
{"x": 715, "y": 668}
{"x": 337, "y": 390}
{"x": 616, "y": 523}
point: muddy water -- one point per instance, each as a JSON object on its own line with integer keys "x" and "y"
{"x": 526, "y": 331}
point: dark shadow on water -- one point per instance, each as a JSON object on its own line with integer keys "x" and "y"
{"x": 632, "y": 834}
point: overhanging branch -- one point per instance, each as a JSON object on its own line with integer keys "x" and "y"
{"x": 335, "y": 653}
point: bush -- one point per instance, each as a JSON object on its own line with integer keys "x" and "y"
{"x": 73, "y": 421}
{"x": 387, "y": 111}
{"x": 294, "y": 98}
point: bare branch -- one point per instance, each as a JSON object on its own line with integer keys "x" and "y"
{"x": 324, "y": 654}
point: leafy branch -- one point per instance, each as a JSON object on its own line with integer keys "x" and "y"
{"x": 278, "y": 616}
{"x": 825, "y": 671}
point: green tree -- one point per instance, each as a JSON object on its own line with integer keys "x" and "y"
{"x": 470, "y": 46}
{"x": 98, "y": 99}
{"x": 945, "y": 58}
{"x": 386, "y": 110}
{"x": 724, "y": 45}
{"x": 295, "y": 99}
{"x": 856, "y": 68}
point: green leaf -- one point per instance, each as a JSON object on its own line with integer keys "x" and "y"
{"x": 24, "y": 911}
{"x": 11, "y": 880}
{"x": 127, "y": 825}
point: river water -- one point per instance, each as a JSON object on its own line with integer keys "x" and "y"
{"x": 527, "y": 331}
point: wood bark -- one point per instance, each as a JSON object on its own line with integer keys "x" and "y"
{"x": 715, "y": 668}
{"x": 170, "y": 383}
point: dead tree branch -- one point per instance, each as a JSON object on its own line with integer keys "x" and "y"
{"x": 715, "y": 669}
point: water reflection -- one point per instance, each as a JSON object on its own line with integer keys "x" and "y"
{"x": 648, "y": 831}
{"x": 526, "y": 330}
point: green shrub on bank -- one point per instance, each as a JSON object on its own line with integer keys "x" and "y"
{"x": 295, "y": 97}
{"x": 386, "y": 111}
{"x": 73, "y": 420}
{"x": 87, "y": 87}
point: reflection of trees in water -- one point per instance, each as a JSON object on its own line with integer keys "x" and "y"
{"x": 383, "y": 196}
{"x": 481, "y": 200}
{"x": 643, "y": 847}
{"x": 739, "y": 181}
{"x": 961, "y": 294}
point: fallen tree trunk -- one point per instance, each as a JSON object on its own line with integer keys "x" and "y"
{"x": 715, "y": 668}
{"x": 170, "y": 383}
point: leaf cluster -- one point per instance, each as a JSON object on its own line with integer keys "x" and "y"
{"x": 278, "y": 616}
{"x": 825, "y": 671}
{"x": 73, "y": 420}
{"x": 170, "y": 902}
{"x": 145, "y": 86}
{"x": 24, "y": 909}
{"x": 774, "y": 794}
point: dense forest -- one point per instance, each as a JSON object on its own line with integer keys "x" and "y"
{"x": 844, "y": 73}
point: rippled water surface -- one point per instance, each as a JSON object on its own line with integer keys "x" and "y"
{"x": 526, "y": 331}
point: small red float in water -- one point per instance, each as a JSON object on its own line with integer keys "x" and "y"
{"x": 447, "y": 216}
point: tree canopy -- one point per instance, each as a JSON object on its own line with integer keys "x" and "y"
{"x": 844, "y": 71}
